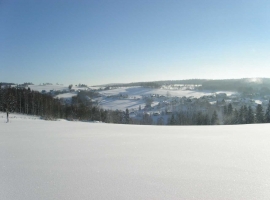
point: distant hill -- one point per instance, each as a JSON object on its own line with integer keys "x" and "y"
{"x": 240, "y": 85}
{"x": 3, "y": 83}
{"x": 156, "y": 84}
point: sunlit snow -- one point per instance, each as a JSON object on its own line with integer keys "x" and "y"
{"x": 140, "y": 91}
{"x": 76, "y": 160}
{"x": 66, "y": 95}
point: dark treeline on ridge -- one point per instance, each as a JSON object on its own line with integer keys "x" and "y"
{"x": 261, "y": 86}
{"x": 158, "y": 84}
{"x": 26, "y": 101}
{"x": 245, "y": 85}
{"x": 29, "y": 102}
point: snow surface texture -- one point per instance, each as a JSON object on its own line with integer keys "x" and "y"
{"x": 76, "y": 160}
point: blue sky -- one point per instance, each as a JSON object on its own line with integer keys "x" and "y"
{"x": 95, "y": 42}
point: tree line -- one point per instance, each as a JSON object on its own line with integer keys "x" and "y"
{"x": 246, "y": 115}
{"x": 193, "y": 118}
{"x": 26, "y": 101}
{"x": 228, "y": 115}
{"x": 29, "y": 102}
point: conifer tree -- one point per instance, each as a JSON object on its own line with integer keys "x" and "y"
{"x": 267, "y": 113}
{"x": 241, "y": 115}
{"x": 250, "y": 116}
{"x": 214, "y": 118}
{"x": 259, "y": 114}
{"x": 127, "y": 119}
{"x": 245, "y": 114}
{"x": 206, "y": 120}
{"x": 199, "y": 118}
{"x": 225, "y": 111}
{"x": 230, "y": 109}
{"x": 235, "y": 118}
{"x": 228, "y": 119}
{"x": 172, "y": 120}
{"x": 160, "y": 121}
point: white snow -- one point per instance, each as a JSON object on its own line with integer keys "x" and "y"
{"x": 3, "y": 117}
{"x": 76, "y": 160}
{"x": 122, "y": 104}
{"x": 79, "y": 88}
{"x": 136, "y": 94}
{"x": 141, "y": 91}
{"x": 67, "y": 95}
{"x": 258, "y": 101}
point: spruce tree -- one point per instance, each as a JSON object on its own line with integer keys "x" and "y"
{"x": 172, "y": 120}
{"x": 214, "y": 118}
{"x": 267, "y": 113}
{"x": 199, "y": 118}
{"x": 241, "y": 115}
{"x": 230, "y": 109}
{"x": 235, "y": 117}
{"x": 206, "y": 120}
{"x": 250, "y": 116}
{"x": 259, "y": 114}
{"x": 127, "y": 119}
{"x": 225, "y": 111}
{"x": 160, "y": 121}
{"x": 245, "y": 114}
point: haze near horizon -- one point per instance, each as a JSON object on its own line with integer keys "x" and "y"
{"x": 98, "y": 42}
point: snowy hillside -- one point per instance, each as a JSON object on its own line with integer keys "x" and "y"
{"x": 67, "y": 95}
{"x": 140, "y": 91}
{"x": 134, "y": 96}
{"x": 75, "y": 160}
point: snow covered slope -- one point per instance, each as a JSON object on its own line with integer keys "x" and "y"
{"x": 75, "y": 160}
{"x": 67, "y": 95}
{"x": 140, "y": 91}
{"x": 122, "y": 104}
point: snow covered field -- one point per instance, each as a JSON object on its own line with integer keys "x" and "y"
{"x": 75, "y": 160}
{"x": 140, "y": 91}
{"x": 122, "y": 104}
{"x": 67, "y": 95}
{"x": 135, "y": 96}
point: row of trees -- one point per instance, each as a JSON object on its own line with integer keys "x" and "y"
{"x": 193, "y": 118}
{"x": 244, "y": 86}
{"x": 243, "y": 115}
{"x": 246, "y": 115}
{"x": 25, "y": 101}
